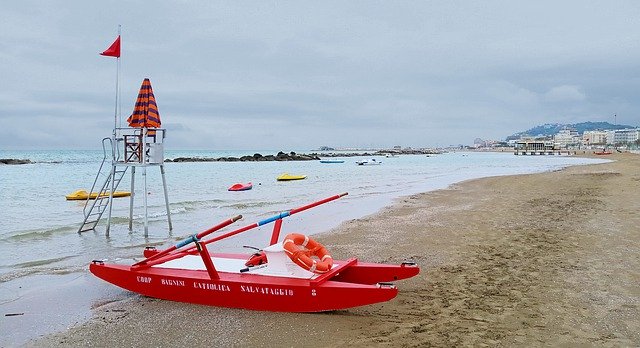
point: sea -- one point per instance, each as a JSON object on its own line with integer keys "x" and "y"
{"x": 45, "y": 285}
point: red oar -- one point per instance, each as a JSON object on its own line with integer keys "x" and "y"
{"x": 190, "y": 239}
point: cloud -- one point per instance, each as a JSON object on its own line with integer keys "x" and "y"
{"x": 300, "y": 75}
{"x": 565, "y": 93}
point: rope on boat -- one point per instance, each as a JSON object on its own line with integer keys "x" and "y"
{"x": 191, "y": 239}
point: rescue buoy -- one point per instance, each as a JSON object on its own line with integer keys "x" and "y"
{"x": 301, "y": 248}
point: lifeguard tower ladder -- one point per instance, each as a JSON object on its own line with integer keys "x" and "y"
{"x": 130, "y": 148}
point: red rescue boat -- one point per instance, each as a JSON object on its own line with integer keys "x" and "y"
{"x": 241, "y": 187}
{"x": 274, "y": 279}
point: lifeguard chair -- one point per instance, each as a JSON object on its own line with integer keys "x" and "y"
{"x": 140, "y": 145}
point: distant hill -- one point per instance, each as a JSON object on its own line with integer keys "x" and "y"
{"x": 553, "y": 128}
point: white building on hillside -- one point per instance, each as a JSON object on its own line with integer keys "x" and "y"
{"x": 566, "y": 137}
{"x": 623, "y": 136}
{"x": 594, "y": 138}
{"x": 611, "y": 134}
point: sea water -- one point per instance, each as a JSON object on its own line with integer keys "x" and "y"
{"x": 38, "y": 227}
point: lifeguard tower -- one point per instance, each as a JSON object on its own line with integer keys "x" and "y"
{"x": 141, "y": 145}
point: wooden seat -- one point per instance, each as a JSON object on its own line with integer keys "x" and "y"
{"x": 133, "y": 148}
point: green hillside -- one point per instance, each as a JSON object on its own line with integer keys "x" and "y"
{"x": 550, "y": 129}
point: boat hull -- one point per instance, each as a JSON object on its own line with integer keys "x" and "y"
{"x": 374, "y": 273}
{"x": 277, "y": 283}
{"x": 286, "y": 177}
{"x": 368, "y": 163}
{"x": 241, "y": 187}
{"x": 243, "y": 290}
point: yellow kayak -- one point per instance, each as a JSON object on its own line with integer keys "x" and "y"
{"x": 287, "y": 177}
{"x": 82, "y": 195}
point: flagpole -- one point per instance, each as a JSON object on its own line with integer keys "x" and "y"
{"x": 114, "y": 144}
{"x": 115, "y": 121}
{"x": 119, "y": 97}
{"x": 113, "y": 51}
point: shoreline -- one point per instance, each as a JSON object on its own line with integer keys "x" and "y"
{"x": 316, "y": 156}
{"x": 257, "y": 157}
{"x": 442, "y": 245}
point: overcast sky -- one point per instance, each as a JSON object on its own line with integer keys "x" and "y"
{"x": 298, "y": 75}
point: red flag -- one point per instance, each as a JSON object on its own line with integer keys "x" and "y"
{"x": 113, "y": 50}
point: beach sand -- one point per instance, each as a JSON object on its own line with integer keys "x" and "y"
{"x": 532, "y": 260}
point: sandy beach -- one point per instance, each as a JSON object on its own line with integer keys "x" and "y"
{"x": 549, "y": 259}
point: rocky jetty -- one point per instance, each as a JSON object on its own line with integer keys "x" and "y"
{"x": 292, "y": 156}
{"x": 14, "y": 161}
{"x": 280, "y": 156}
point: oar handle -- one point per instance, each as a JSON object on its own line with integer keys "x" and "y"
{"x": 314, "y": 204}
{"x": 219, "y": 226}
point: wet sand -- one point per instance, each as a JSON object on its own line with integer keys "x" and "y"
{"x": 532, "y": 260}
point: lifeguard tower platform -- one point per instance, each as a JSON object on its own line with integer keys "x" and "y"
{"x": 139, "y": 146}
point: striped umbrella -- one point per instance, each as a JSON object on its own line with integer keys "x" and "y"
{"x": 145, "y": 114}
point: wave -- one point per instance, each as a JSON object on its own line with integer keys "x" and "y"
{"x": 27, "y": 271}
{"x": 41, "y": 262}
{"x": 250, "y": 205}
{"x": 158, "y": 211}
{"x": 368, "y": 193}
{"x": 21, "y": 236}
{"x": 190, "y": 206}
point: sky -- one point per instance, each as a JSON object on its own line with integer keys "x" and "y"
{"x": 285, "y": 75}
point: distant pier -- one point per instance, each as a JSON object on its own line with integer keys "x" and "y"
{"x": 537, "y": 147}
{"x": 524, "y": 152}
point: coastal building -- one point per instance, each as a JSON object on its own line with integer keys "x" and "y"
{"x": 533, "y": 147}
{"x": 594, "y": 138}
{"x": 626, "y": 136}
{"x": 566, "y": 138}
{"x": 610, "y": 137}
{"x": 623, "y": 136}
{"x": 479, "y": 143}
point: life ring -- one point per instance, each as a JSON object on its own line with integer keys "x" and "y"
{"x": 301, "y": 248}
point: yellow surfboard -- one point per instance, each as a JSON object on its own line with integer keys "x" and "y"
{"x": 82, "y": 195}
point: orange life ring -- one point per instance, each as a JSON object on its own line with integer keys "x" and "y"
{"x": 301, "y": 248}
